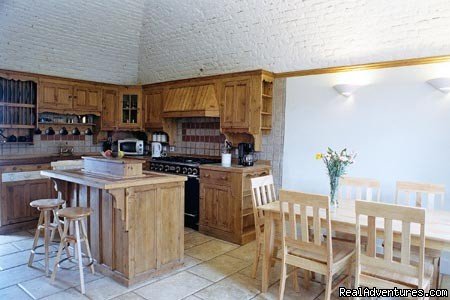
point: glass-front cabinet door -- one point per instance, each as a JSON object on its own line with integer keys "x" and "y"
{"x": 130, "y": 108}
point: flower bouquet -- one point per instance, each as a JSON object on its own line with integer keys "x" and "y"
{"x": 336, "y": 163}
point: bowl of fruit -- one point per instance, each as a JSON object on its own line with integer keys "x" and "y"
{"x": 112, "y": 154}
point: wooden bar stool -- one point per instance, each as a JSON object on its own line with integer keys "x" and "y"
{"x": 46, "y": 207}
{"x": 74, "y": 216}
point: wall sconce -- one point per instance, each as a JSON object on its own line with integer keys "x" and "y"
{"x": 346, "y": 90}
{"x": 442, "y": 84}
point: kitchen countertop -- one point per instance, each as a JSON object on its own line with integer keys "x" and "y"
{"x": 8, "y": 160}
{"x": 236, "y": 168}
{"x": 106, "y": 183}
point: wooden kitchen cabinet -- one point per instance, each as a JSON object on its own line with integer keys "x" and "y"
{"x": 153, "y": 108}
{"x": 16, "y": 195}
{"x": 69, "y": 97}
{"x": 110, "y": 102}
{"x": 235, "y": 104}
{"x": 55, "y": 95}
{"x": 130, "y": 108}
{"x": 226, "y": 210}
{"x": 87, "y": 98}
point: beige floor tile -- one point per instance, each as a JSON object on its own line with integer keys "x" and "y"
{"x": 13, "y": 292}
{"x": 18, "y": 274}
{"x": 237, "y": 286}
{"x": 246, "y": 252}
{"x": 103, "y": 288}
{"x": 71, "y": 278}
{"x": 70, "y": 294}
{"x": 12, "y": 237}
{"x": 194, "y": 239}
{"x": 6, "y": 249}
{"x": 314, "y": 290}
{"x": 26, "y": 244}
{"x": 177, "y": 286}
{"x": 188, "y": 230}
{"x": 42, "y": 286}
{"x": 219, "y": 267}
{"x": 274, "y": 273}
{"x": 210, "y": 249}
{"x": 17, "y": 259}
{"x": 129, "y": 296}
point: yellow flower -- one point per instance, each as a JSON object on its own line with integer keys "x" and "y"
{"x": 319, "y": 156}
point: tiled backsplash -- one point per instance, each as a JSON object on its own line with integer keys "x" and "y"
{"x": 199, "y": 136}
{"x": 51, "y": 143}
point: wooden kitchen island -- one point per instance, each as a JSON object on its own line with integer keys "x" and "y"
{"x": 136, "y": 230}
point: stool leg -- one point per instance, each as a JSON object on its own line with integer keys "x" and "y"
{"x": 36, "y": 239}
{"x": 88, "y": 248}
{"x": 61, "y": 245}
{"x": 80, "y": 257}
{"x": 46, "y": 238}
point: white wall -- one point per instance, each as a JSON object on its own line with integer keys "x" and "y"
{"x": 92, "y": 40}
{"x": 398, "y": 124}
{"x": 181, "y": 37}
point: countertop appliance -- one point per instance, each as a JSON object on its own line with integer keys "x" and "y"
{"x": 131, "y": 146}
{"x": 156, "y": 150}
{"x": 246, "y": 154}
{"x": 188, "y": 166}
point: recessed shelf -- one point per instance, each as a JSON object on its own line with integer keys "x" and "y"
{"x": 66, "y": 124}
{"x": 17, "y": 126}
{"x": 10, "y": 104}
{"x": 266, "y": 113}
{"x": 266, "y": 128}
{"x": 267, "y": 96}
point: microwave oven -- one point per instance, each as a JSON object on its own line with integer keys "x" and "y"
{"x": 131, "y": 147}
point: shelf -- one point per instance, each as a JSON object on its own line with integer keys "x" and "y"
{"x": 266, "y": 96}
{"x": 17, "y": 126}
{"x": 17, "y": 143}
{"x": 266, "y": 128}
{"x": 66, "y": 124}
{"x": 265, "y": 113}
{"x": 9, "y": 104}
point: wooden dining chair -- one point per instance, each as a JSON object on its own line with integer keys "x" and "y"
{"x": 263, "y": 192}
{"x": 354, "y": 188}
{"x": 426, "y": 195}
{"x": 317, "y": 254}
{"x": 385, "y": 270}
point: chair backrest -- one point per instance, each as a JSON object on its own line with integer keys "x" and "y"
{"x": 352, "y": 188}
{"x": 316, "y": 206}
{"x": 419, "y": 193}
{"x": 395, "y": 216}
{"x": 263, "y": 192}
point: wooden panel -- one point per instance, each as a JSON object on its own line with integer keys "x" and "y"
{"x": 215, "y": 177}
{"x": 107, "y": 231}
{"x": 170, "y": 216}
{"x": 145, "y": 230}
{"x": 87, "y": 98}
{"x": 95, "y": 223}
{"x": 225, "y": 205}
{"x": 153, "y": 107}
{"x": 109, "y": 109}
{"x": 227, "y": 111}
{"x": 241, "y": 105}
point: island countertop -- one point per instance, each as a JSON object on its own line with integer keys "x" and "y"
{"x": 107, "y": 183}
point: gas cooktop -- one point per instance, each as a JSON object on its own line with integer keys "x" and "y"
{"x": 185, "y": 160}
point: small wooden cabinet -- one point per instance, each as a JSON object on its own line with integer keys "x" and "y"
{"x": 65, "y": 96}
{"x": 130, "y": 108}
{"x": 110, "y": 102}
{"x": 226, "y": 210}
{"x": 16, "y": 195}
{"x": 153, "y": 108}
{"x": 235, "y": 104}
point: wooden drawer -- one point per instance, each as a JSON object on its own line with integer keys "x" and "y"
{"x": 215, "y": 177}
{"x": 247, "y": 185}
{"x": 24, "y": 168}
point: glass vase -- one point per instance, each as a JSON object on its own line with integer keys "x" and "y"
{"x": 334, "y": 187}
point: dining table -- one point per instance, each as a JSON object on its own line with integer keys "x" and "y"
{"x": 343, "y": 219}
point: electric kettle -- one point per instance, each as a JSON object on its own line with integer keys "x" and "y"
{"x": 156, "y": 149}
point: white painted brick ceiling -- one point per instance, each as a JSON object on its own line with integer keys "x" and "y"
{"x": 129, "y": 41}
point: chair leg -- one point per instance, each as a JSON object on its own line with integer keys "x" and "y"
{"x": 88, "y": 248}
{"x": 80, "y": 257}
{"x": 256, "y": 260}
{"x": 36, "y": 239}
{"x": 328, "y": 287}
{"x": 282, "y": 279}
{"x": 62, "y": 243}
{"x": 295, "y": 280}
{"x": 437, "y": 271}
{"x": 274, "y": 255}
{"x": 306, "y": 278}
{"x": 46, "y": 238}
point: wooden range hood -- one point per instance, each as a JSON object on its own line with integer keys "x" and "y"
{"x": 191, "y": 101}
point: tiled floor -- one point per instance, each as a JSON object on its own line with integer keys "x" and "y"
{"x": 213, "y": 269}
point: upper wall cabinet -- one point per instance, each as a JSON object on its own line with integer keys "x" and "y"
{"x": 110, "y": 103}
{"x": 235, "y": 114}
{"x": 130, "y": 108}
{"x": 153, "y": 108}
{"x": 66, "y": 96}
